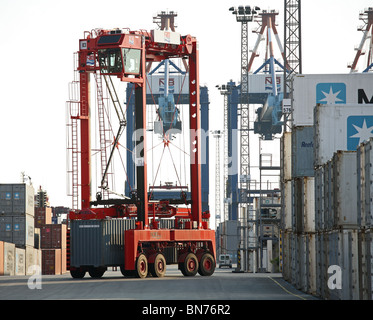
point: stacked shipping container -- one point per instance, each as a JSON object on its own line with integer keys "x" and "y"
{"x": 54, "y": 248}
{"x": 340, "y": 237}
{"x": 21, "y": 237}
{"x": 17, "y": 232}
{"x": 298, "y": 224}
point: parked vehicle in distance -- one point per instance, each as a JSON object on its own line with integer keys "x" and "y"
{"x": 225, "y": 260}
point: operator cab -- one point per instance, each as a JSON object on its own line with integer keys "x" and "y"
{"x": 119, "y": 54}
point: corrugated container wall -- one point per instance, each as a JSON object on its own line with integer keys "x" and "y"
{"x": 346, "y": 133}
{"x": 302, "y": 152}
{"x": 286, "y": 157}
{"x": 98, "y": 242}
{"x": 311, "y": 89}
{"x": 17, "y": 229}
{"x": 364, "y": 183}
{"x": 16, "y": 199}
{"x": 345, "y": 189}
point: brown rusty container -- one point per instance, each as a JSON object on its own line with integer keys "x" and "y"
{"x": 53, "y": 236}
{"x": 51, "y": 261}
{"x": 43, "y": 216}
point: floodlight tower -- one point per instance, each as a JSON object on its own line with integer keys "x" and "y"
{"x": 367, "y": 17}
{"x": 217, "y": 134}
{"x": 244, "y": 15}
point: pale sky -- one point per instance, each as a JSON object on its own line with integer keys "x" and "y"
{"x": 39, "y": 37}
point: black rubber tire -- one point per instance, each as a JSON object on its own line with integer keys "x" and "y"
{"x": 77, "y": 273}
{"x": 189, "y": 267}
{"x": 141, "y": 266}
{"x": 158, "y": 268}
{"x": 207, "y": 265}
{"x": 96, "y": 272}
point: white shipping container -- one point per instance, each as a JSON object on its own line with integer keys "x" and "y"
{"x": 345, "y": 189}
{"x": 311, "y": 89}
{"x": 286, "y": 156}
{"x": 319, "y": 198}
{"x": 368, "y": 186}
{"x": 360, "y": 174}
{"x": 288, "y": 205}
{"x": 309, "y": 204}
{"x": 340, "y": 127}
{"x": 328, "y": 208}
{"x": 304, "y": 204}
{"x": 349, "y": 261}
{"x": 20, "y": 262}
{"x": 262, "y": 83}
{"x": 311, "y": 263}
{"x": 366, "y": 258}
{"x": 9, "y": 258}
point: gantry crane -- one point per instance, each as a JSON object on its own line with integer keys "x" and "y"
{"x": 126, "y": 54}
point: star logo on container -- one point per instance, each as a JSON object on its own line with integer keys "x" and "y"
{"x": 331, "y": 93}
{"x": 359, "y": 129}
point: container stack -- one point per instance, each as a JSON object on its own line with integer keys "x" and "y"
{"x": 298, "y": 235}
{"x": 17, "y": 233}
{"x": 227, "y": 238}
{"x": 364, "y": 215}
{"x": 53, "y": 245}
{"x": 327, "y": 215}
{"x": 339, "y": 193}
{"x": 53, "y": 241}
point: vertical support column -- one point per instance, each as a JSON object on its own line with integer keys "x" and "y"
{"x": 140, "y": 149}
{"x": 85, "y": 156}
{"x": 204, "y": 100}
{"x": 130, "y": 183}
{"x": 195, "y": 135}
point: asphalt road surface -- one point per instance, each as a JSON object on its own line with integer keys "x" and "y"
{"x": 222, "y": 285}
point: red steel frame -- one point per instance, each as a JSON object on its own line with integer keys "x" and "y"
{"x": 197, "y": 231}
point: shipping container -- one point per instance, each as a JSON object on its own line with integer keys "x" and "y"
{"x": 9, "y": 258}
{"x": 311, "y": 274}
{"x": 365, "y": 185}
{"x": 43, "y": 215}
{"x": 1, "y": 258}
{"x": 361, "y": 185}
{"x": 6, "y": 228}
{"x": 229, "y": 227}
{"x": 345, "y": 189}
{"x": 98, "y": 242}
{"x": 311, "y": 89}
{"x": 346, "y": 133}
{"x": 286, "y": 157}
{"x": 319, "y": 199}
{"x": 63, "y": 261}
{"x": 337, "y": 264}
{"x": 51, "y": 261}
{"x": 366, "y": 263}
{"x": 20, "y": 262}
{"x": 16, "y": 199}
{"x": 17, "y": 229}
{"x": 302, "y": 153}
{"x": 304, "y": 205}
{"x": 23, "y": 231}
{"x": 6, "y": 203}
{"x": 53, "y": 236}
{"x": 30, "y": 260}
{"x": 23, "y": 199}
{"x": 328, "y": 195}
{"x": 349, "y": 259}
{"x": 321, "y": 269}
{"x": 288, "y": 204}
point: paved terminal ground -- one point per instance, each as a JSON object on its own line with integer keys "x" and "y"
{"x": 222, "y": 285}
